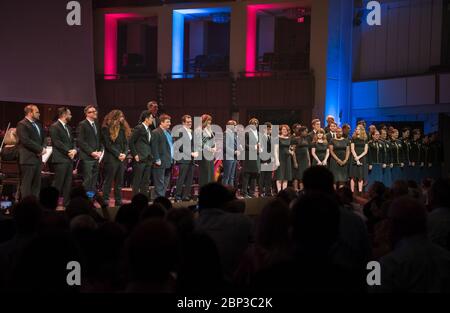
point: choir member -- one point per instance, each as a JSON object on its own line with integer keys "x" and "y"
{"x": 265, "y": 179}
{"x": 89, "y": 141}
{"x": 251, "y": 164}
{"x": 358, "y": 165}
{"x": 186, "y": 162}
{"x": 397, "y": 156}
{"x": 162, "y": 148}
{"x": 116, "y": 133}
{"x": 231, "y": 153}
{"x": 319, "y": 150}
{"x": 406, "y": 143}
{"x": 283, "y": 158}
{"x": 416, "y": 156}
{"x": 387, "y": 171}
{"x": 340, "y": 154}
{"x": 375, "y": 159}
{"x": 426, "y": 156}
{"x": 315, "y": 128}
{"x": 206, "y": 144}
{"x": 303, "y": 160}
{"x": 331, "y": 134}
{"x": 63, "y": 153}
{"x": 330, "y": 120}
{"x": 346, "y": 131}
{"x": 141, "y": 151}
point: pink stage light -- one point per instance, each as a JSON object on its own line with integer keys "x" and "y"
{"x": 110, "y": 54}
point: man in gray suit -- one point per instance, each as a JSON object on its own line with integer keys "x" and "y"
{"x": 31, "y": 148}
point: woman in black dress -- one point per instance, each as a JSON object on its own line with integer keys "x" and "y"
{"x": 340, "y": 154}
{"x": 283, "y": 158}
{"x": 206, "y": 142}
{"x": 397, "y": 157}
{"x": 303, "y": 161}
{"x": 358, "y": 165}
{"x": 320, "y": 151}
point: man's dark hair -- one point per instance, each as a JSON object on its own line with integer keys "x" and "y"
{"x": 184, "y": 118}
{"x": 318, "y": 178}
{"x": 61, "y": 111}
{"x": 88, "y": 107}
{"x": 29, "y": 108}
{"x": 164, "y": 117}
{"x": 164, "y": 202}
{"x": 146, "y": 115}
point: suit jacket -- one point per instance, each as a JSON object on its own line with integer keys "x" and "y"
{"x": 251, "y": 166}
{"x": 155, "y": 120}
{"x": 61, "y": 143}
{"x": 114, "y": 148}
{"x": 161, "y": 148}
{"x": 183, "y": 140}
{"x": 88, "y": 141}
{"x": 31, "y": 143}
{"x": 140, "y": 145}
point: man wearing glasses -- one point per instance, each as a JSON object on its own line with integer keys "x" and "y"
{"x": 90, "y": 146}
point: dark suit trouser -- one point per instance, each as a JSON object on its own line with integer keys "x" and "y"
{"x": 249, "y": 178}
{"x": 206, "y": 169}
{"x": 141, "y": 177}
{"x": 30, "y": 180}
{"x": 161, "y": 179}
{"x": 63, "y": 180}
{"x": 113, "y": 172}
{"x": 185, "y": 177}
{"x": 90, "y": 174}
{"x": 265, "y": 182}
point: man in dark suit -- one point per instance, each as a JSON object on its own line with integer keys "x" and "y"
{"x": 90, "y": 144}
{"x": 162, "y": 148}
{"x": 141, "y": 150}
{"x": 329, "y": 119}
{"x": 315, "y": 128}
{"x": 152, "y": 107}
{"x": 252, "y": 163}
{"x": 31, "y": 148}
{"x": 184, "y": 155}
{"x": 332, "y": 132}
{"x": 63, "y": 153}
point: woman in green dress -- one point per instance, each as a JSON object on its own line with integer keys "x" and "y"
{"x": 283, "y": 158}
{"x": 303, "y": 161}
{"x": 340, "y": 154}
{"x": 358, "y": 166}
{"x": 319, "y": 150}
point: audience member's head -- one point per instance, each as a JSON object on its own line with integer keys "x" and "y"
{"x": 318, "y": 178}
{"x": 152, "y": 252}
{"x": 78, "y": 206}
{"x": 273, "y": 224}
{"x": 27, "y": 215}
{"x": 128, "y": 216}
{"x": 183, "y": 220}
{"x": 377, "y": 189}
{"x": 407, "y": 217}
{"x": 214, "y": 196}
{"x": 315, "y": 223}
{"x": 399, "y": 188}
{"x": 48, "y": 197}
{"x": 164, "y": 202}
{"x": 154, "y": 210}
{"x": 287, "y": 195}
{"x": 83, "y": 222}
{"x": 140, "y": 201}
{"x": 440, "y": 194}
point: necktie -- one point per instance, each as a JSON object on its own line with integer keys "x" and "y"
{"x": 95, "y": 128}
{"x": 37, "y": 128}
{"x": 149, "y": 134}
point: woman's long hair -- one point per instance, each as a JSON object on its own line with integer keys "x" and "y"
{"x": 324, "y": 138}
{"x": 11, "y": 138}
{"x": 112, "y": 122}
{"x": 362, "y": 133}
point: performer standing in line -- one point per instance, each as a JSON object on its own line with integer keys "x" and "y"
{"x": 340, "y": 154}
{"x": 387, "y": 157}
{"x": 186, "y": 163}
{"x": 116, "y": 133}
{"x": 63, "y": 153}
{"x": 31, "y": 148}
{"x": 315, "y": 129}
{"x": 265, "y": 179}
{"x": 162, "y": 148}
{"x": 152, "y": 108}
{"x": 283, "y": 158}
{"x": 231, "y": 153}
{"x": 319, "y": 150}
{"x": 358, "y": 165}
{"x": 300, "y": 141}
{"x": 346, "y": 131}
{"x": 375, "y": 159}
{"x": 397, "y": 157}
{"x": 426, "y": 157}
{"x": 416, "y": 156}
{"x": 331, "y": 134}
{"x": 252, "y": 163}
{"x": 141, "y": 151}
{"x": 91, "y": 146}
{"x": 406, "y": 143}
{"x": 205, "y": 142}
{"x": 330, "y": 120}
